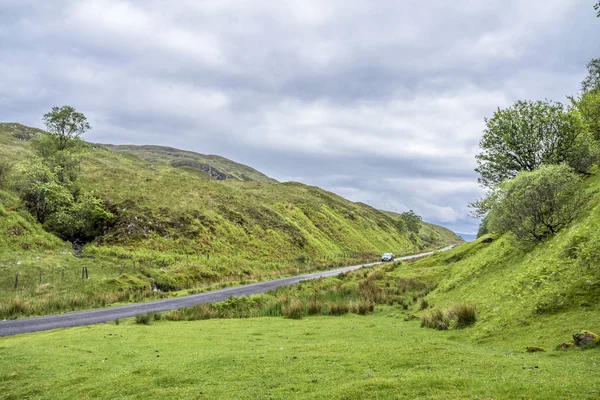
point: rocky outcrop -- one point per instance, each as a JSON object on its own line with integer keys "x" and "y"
{"x": 585, "y": 338}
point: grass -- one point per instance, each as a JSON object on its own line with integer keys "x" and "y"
{"x": 326, "y": 357}
{"x": 177, "y": 232}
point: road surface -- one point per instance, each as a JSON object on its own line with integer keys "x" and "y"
{"x": 14, "y": 327}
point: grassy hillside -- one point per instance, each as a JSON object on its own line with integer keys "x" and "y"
{"x": 175, "y": 229}
{"x": 218, "y": 167}
{"x": 536, "y": 295}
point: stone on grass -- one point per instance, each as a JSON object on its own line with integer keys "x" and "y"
{"x": 585, "y": 338}
{"x": 441, "y": 327}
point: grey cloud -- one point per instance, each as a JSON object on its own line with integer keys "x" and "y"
{"x": 382, "y": 102}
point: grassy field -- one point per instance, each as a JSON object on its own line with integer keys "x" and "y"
{"x": 348, "y": 357}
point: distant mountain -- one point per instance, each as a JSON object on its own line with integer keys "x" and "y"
{"x": 219, "y": 168}
{"x": 467, "y": 237}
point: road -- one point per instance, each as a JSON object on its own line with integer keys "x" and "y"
{"x": 14, "y": 327}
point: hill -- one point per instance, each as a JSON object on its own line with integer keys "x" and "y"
{"x": 176, "y": 229}
{"x": 218, "y": 168}
{"x": 526, "y": 295}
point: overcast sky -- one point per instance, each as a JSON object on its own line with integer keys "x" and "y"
{"x": 379, "y": 101}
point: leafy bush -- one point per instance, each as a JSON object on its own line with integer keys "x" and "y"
{"x": 536, "y": 204}
{"x": 84, "y": 220}
{"x": 39, "y": 189}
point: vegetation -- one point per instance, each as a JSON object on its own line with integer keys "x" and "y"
{"x": 530, "y": 134}
{"x": 148, "y": 230}
{"x": 536, "y": 204}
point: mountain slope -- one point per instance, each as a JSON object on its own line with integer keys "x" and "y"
{"x": 217, "y": 167}
{"x": 175, "y": 229}
{"x": 536, "y": 295}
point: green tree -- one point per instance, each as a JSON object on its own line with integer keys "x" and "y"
{"x": 40, "y": 190}
{"x": 401, "y": 225}
{"x": 592, "y": 80}
{"x": 65, "y": 125}
{"x": 536, "y": 204}
{"x": 412, "y": 221}
{"x": 86, "y": 219}
{"x": 588, "y": 107}
{"x": 525, "y": 136}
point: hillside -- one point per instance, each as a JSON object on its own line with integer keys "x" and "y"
{"x": 535, "y": 295}
{"x": 218, "y": 168}
{"x": 175, "y": 229}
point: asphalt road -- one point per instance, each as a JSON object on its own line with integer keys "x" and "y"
{"x": 14, "y": 327}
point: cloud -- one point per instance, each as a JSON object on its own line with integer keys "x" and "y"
{"x": 381, "y": 102}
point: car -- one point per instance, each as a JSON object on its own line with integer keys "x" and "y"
{"x": 387, "y": 257}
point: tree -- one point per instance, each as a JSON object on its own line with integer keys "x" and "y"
{"x": 592, "y": 80}
{"x": 597, "y": 8}
{"x": 525, "y": 136}
{"x": 588, "y": 107}
{"x": 65, "y": 124}
{"x": 412, "y": 221}
{"x": 86, "y": 219}
{"x": 536, "y": 204}
{"x": 40, "y": 190}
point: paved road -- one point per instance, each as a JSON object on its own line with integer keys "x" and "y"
{"x": 14, "y": 327}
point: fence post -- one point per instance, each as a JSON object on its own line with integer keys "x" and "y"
{"x": 62, "y": 275}
{"x": 40, "y": 276}
{"x": 86, "y": 273}
{"x": 121, "y": 272}
{"x": 163, "y": 262}
{"x": 82, "y": 272}
{"x": 150, "y": 263}
{"x": 134, "y": 265}
{"x": 17, "y": 280}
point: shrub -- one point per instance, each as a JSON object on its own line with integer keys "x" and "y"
{"x": 5, "y": 168}
{"x": 339, "y": 308}
{"x": 423, "y": 304}
{"x": 463, "y": 314}
{"x": 364, "y": 307}
{"x": 143, "y": 319}
{"x": 536, "y": 204}
{"x": 433, "y": 318}
{"x": 314, "y": 307}
{"x": 292, "y": 310}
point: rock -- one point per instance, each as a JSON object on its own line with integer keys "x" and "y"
{"x": 585, "y": 338}
{"x": 564, "y": 346}
{"x": 441, "y": 327}
{"x": 534, "y": 349}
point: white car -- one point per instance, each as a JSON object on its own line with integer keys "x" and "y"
{"x": 387, "y": 257}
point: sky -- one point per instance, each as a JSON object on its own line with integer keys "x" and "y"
{"x": 382, "y": 102}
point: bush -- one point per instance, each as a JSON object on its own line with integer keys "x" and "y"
{"x": 536, "y": 204}
{"x": 5, "y": 168}
{"x": 463, "y": 314}
{"x": 433, "y": 318}
{"x": 314, "y": 307}
{"x": 339, "y": 308}
{"x": 143, "y": 319}
{"x": 292, "y": 310}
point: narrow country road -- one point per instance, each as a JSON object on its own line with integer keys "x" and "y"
{"x": 14, "y": 327}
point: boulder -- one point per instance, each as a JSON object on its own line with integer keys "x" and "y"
{"x": 585, "y": 338}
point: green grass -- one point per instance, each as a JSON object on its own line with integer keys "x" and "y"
{"x": 348, "y": 357}
{"x": 177, "y": 231}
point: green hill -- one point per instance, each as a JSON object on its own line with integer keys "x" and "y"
{"x": 535, "y": 295}
{"x": 218, "y": 168}
{"x": 175, "y": 228}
